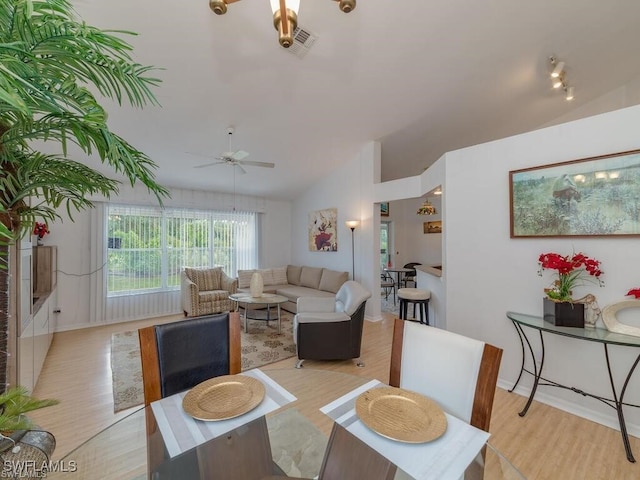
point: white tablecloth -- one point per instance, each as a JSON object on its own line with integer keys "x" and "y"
{"x": 442, "y": 459}
{"x": 181, "y": 432}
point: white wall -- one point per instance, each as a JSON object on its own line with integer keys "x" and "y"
{"x": 410, "y": 242}
{"x": 75, "y": 247}
{"x": 487, "y": 273}
{"x": 350, "y": 190}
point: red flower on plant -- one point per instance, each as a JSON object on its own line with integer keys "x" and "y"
{"x": 40, "y": 229}
{"x": 571, "y": 270}
{"x": 635, "y": 292}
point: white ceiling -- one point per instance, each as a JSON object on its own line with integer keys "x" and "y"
{"x": 422, "y": 77}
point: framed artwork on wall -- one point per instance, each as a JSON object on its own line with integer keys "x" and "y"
{"x": 596, "y": 196}
{"x": 432, "y": 227}
{"x": 384, "y": 209}
{"x": 323, "y": 234}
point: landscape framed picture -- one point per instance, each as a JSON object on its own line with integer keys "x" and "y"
{"x": 596, "y": 196}
{"x": 384, "y": 209}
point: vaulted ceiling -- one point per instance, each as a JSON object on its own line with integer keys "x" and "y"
{"x": 422, "y": 77}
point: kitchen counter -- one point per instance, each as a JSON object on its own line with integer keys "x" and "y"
{"x": 435, "y": 270}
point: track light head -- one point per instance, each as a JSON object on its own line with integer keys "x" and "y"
{"x": 558, "y": 70}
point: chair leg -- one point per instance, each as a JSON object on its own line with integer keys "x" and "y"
{"x": 299, "y": 363}
{"x": 359, "y": 362}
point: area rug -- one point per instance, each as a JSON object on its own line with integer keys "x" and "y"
{"x": 261, "y": 346}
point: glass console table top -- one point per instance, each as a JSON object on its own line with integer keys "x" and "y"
{"x": 600, "y": 335}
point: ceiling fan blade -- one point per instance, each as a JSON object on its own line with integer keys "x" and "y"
{"x": 209, "y": 164}
{"x": 224, "y": 155}
{"x": 241, "y": 170}
{"x": 258, "y": 164}
{"x": 239, "y": 155}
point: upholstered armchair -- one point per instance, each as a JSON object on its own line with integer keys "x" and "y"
{"x": 331, "y": 328}
{"x": 206, "y": 290}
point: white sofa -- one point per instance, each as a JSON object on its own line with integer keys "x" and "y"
{"x": 294, "y": 282}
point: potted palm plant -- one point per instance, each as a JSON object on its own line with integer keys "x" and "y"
{"x": 51, "y": 63}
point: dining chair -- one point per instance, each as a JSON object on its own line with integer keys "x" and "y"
{"x": 410, "y": 276}
{"x": 458, "y": 372}
{"x": 179, "y": 355}
{"x": 388, "y": 286}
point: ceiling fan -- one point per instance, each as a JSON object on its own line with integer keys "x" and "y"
{"x": 235, "y": 159}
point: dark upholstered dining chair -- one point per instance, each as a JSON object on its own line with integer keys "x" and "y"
{"x": 458, "y": 372}
{"x": 179, "y": 355}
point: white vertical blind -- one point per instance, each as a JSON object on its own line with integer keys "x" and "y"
{"x": 148, "y": 247}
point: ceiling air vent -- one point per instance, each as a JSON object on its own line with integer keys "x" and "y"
{"x": 302, "y": 42}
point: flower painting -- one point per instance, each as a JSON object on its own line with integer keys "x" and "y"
{"x": 323, "y": 234}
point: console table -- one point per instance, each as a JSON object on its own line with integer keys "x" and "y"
{"x": 598, "y": 335}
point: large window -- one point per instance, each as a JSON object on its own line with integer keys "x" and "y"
{"x": 147, "y": 247}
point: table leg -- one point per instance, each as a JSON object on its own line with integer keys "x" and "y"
{"x": 523, "y": 357}
{"x": 537, "y": 372}
{"x": 618, "y": 403}
{"x": 279, "y": 318}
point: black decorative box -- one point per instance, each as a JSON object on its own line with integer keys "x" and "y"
{"x": 563, "y": 314}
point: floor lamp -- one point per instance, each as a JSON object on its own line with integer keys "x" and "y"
{"x": 352, "y": 224}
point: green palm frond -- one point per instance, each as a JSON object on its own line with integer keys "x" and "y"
{"x": 14, "y": 403}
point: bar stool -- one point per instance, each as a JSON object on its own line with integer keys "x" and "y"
{"x": 416, "y": 296}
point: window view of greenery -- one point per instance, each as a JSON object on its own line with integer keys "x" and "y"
{"x": 148, "y": 247}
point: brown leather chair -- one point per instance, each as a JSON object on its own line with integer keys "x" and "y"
{"x": 328, "y": 328}
{"x": 179, "y": 355}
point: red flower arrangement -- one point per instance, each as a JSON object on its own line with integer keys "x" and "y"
{"x": 40, "y": 229}
{"x": 571, "y": 270}
{"x": 635, "y": 292}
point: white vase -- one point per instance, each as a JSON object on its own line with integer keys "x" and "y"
{"x": 257, "y": 285}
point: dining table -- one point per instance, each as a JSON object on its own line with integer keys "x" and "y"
{"x": 400, "y": 272}
{"x": 285, "y": 435}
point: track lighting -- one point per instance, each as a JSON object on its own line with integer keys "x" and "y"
{"x": 558, "y": 70}
{"x": 559, "y": 77}
{"x": 569, "y": 93}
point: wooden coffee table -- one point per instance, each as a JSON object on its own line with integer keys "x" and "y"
{"x": 267, "y": 299}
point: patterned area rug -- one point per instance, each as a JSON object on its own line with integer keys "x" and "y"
{"x": 261, "y": 346}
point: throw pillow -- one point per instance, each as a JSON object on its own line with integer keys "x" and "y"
{"x": 293, "y": 274}
{"x": 280, "y": 276}
{"x": 331, "y": 280}
{"x": 244, "y": 278}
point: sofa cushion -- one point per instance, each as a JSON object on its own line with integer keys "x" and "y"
{"x": 310, "y": 277}
{"x": 293, "y": 274}
{"x": 331, "y": 280}
{"x": 279, "y": 276}
{"x": 267, "y": 276}
{"x": 244, "y": 278}
{"x": 293, "y": 292}
{"x": 205, "y": 278}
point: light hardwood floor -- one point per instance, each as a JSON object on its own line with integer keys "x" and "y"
{"x": 547, "y": 444}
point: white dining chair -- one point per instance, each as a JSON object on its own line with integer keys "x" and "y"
{"x": 458, "y": 372}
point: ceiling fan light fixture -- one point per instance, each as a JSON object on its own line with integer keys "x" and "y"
{"x": 347, "y": 6}
{"x": 285, "y": 24}
{"x": 219, "y": 7}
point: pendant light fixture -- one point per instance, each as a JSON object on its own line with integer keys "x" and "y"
{"x": 426, "y": 208}
{"x": 285, "y": 15}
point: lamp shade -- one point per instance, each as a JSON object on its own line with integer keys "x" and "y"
{"x": 352, "y": 223}
{"x": 426, "y": 209}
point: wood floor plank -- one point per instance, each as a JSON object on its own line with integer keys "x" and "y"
{"x": 546, "y": 444}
